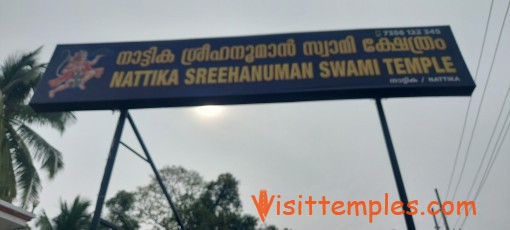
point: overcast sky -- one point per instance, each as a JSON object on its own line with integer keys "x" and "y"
{"x": 332, "y": 148}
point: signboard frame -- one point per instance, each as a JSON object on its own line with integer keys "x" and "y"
{"x": 102, "y": 91}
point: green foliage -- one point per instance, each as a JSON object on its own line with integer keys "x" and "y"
{"x": 75, "y": 217}
{"x": 20, "y": 146}
{"x": 151, "y": 204}
{"x": 201, "y": 205}
{"x": 121, "y": 208}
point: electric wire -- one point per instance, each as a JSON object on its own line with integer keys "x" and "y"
{"x": 469, "y": 103}
{"x": 488, "y": 170}
{"x": 481, "y": 103}
{"x": 487, "y": 148}
{"x": 492, "y": 160}
{"x": 490, "y": 140}
{"x": 497, "y": 148}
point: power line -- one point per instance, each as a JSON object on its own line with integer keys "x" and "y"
{"x": 471, "y": 138}
{"x": 487, "y": 149}
{"x": 469, "y": 103}
{"x": 491, "y": 161}
{"x": 490, "y": 140}
{"x": 488, "y": 169}
{"x": 499, "y": 143}
{"x": 458, "y": 148}
{"x": 481, "y": 103}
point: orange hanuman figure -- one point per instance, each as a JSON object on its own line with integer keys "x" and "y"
{"x": 77, "y": 72}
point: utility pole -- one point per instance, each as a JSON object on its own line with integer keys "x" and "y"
{"x": 441, "y": 209}
{"x": 435, "y": 220}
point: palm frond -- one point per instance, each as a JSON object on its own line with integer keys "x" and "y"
{"x": 7, "y": 177}
{"x": 50, "y": 158}
{"x": 74, "y": 217}
{"x": 18, "y": 77}
{"x": 44, "y": 222}
{"x": 27, "y": 177}
{"x": 2, "y": 119}
{"x": 79, "y": 209}
{"x": 22, "y": 84}
{"x": 14, "y": 64}
{"x": 25, "y": 114}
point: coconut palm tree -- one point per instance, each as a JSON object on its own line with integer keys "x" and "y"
{"x": 20, "y": 146}
{"x": 74, "y": 217}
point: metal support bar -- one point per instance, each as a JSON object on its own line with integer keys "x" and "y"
{"x": 442, "y": 213}
{"x": 156, "y": 172}
{"x": 133, "y": 151}
{"x": 109, "y": 224}
{"x": 108, "y": 170}
{"x": 394, "y": 165}
{"x": 435, "y": 220}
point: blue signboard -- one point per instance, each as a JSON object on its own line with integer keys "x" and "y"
{"x": 369, "y": 63}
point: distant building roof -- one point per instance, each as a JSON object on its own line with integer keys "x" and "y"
{"x": 12, "y": 217}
